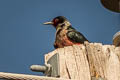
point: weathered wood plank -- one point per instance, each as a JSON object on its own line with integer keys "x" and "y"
{"x": 96, "y": 59}
{"x": 82, "y": 62}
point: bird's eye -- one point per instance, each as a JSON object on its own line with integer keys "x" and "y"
{"x": 56, "y": 20}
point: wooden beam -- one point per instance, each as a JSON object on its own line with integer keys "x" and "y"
{"x": 82, "y": 62}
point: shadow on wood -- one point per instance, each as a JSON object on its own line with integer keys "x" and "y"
{"x": 82, "y": 62}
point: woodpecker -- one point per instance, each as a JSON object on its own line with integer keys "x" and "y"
{"x": 66, "y": 35}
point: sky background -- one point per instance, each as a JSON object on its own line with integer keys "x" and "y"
{"x": 24, "y": 39}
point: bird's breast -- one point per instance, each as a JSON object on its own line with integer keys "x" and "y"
{"x": 62, "y": 39}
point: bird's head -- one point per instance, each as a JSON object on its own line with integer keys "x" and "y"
{"x": 58, "y": 21}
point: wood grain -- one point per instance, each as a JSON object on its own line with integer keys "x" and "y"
{"x": 82, "y": 62}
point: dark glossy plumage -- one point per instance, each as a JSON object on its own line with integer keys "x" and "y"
{"x": 75, "y": 36}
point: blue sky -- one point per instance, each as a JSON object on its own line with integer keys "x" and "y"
{"x": 24, "y": 39}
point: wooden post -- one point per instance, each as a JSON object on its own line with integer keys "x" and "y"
{"x": 82, "y": 62}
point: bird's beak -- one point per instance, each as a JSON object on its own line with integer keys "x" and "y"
{"x": 48, "y": 23}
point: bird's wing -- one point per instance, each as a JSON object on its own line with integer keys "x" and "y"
{"x": 76, "y": 36}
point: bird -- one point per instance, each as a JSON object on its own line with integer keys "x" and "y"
{"x": 65, "y": 35}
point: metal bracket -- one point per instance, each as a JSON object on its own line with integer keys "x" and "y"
{"x": 54, "y": 62}
{"x": 52, "y": 68}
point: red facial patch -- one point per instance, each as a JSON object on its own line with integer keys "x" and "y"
{"x": 55, "y": 22}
